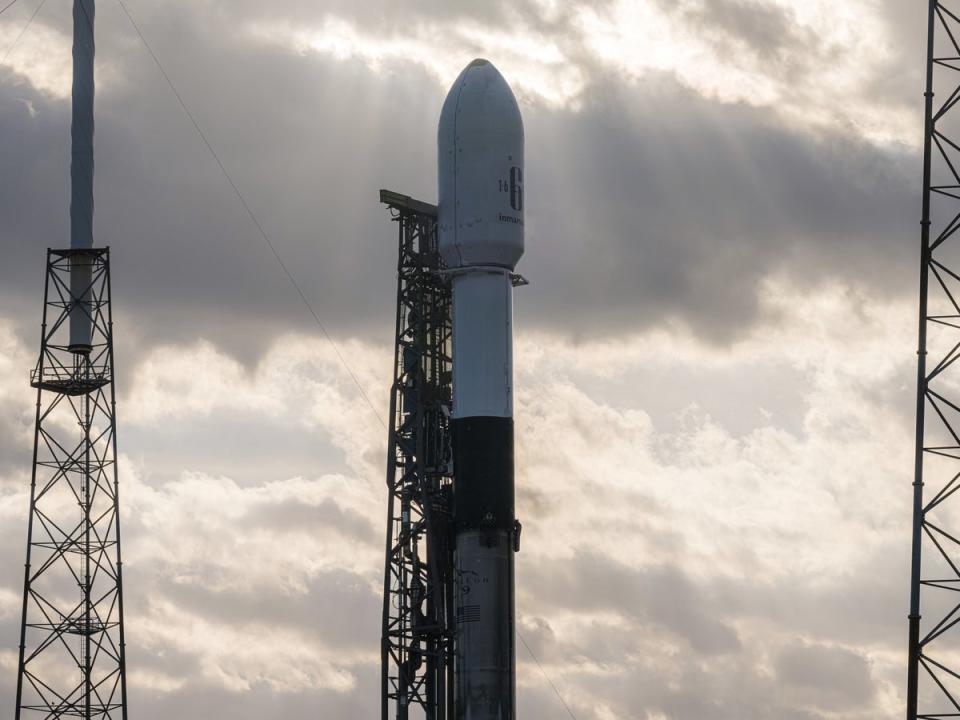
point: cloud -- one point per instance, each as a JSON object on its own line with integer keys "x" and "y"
{"x": 649, "y": 204}
{"x": 673, "y": 564}
{"x": 839, "y": 675}
{"x": 714, "y": 365}
{"x": 656, "y": 599}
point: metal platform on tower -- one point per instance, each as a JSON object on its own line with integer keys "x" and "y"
{"x": 417, "y": 637}
{"x": 59, "y": 370}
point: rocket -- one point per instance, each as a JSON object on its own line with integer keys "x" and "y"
{"x": 480, "y": 238}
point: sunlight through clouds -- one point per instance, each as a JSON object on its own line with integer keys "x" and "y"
{"x": 537, "y": 66}
{"x": 43, "y": 58}
{"x": 714, "y": 362}
{"x": 816, "y": 70}
{"x": 811, "y": 63}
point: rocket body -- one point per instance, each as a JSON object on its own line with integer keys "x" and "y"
{"x": 480, "y": 233}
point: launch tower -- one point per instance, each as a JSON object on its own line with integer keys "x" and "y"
{"x": 417, "y": 635}
{"x": 72, "y": 661}
{"x": 933, "y": 679}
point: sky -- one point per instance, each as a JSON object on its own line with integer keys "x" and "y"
{"x": 715, "y": 358}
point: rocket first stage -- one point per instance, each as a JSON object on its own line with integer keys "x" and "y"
{"x": 480, "y": 234}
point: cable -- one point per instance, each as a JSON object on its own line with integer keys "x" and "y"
{"x": 516, "y": 312}
{"x": 23, "y": 31}
{"x": 537, "y": 661}
{"x": 7, "y": 6}
{"x": 253, "y": 217}
{"x": 290, "y": 278}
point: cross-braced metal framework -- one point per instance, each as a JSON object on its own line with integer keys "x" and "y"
{"x": 417, "y": 637}
{"x": 72, "y": 661}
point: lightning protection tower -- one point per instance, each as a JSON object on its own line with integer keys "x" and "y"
{"x": 417, "y": 668}
{"x": 72, "y": 661}
{"x": 933, "y": 679}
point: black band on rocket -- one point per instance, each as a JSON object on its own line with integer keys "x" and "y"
{"x": 483, "y": 462}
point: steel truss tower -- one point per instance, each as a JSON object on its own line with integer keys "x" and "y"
{"x": 417, "y": 636}
{"x": 933, "y": 681}
{"x": 72, "y": 660}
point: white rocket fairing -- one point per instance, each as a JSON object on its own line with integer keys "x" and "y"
{"x": 480, "y": 157}
{"x": 480, "y": 233}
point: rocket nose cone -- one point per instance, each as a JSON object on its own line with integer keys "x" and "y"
{"x": 483, "y": 94}
{"x": 478, "y": 73}
{"x": 480, "y": 170}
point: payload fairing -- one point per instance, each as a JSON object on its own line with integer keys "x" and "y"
{"x": 480, "y": 236}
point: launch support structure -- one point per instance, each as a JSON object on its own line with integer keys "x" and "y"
{"x": 933, "y": 672}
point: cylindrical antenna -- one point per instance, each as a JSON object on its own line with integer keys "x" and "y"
{"x": 81, "y": 176}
